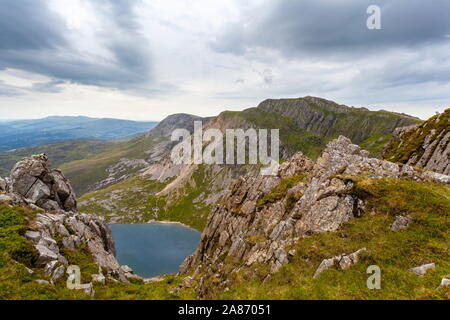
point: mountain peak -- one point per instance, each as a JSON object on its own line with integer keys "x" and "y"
{"x": 175, "y": 121}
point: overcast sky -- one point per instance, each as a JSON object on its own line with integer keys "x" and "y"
{"x": 146, "y": 59}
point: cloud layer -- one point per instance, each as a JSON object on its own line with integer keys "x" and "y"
{"x": 146, "y": 59}
{"x": 36, "y": 39}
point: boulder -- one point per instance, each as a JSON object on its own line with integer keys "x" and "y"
{"x": 49, "y": 267}
{"x": 68, "y": 243}
{"x": 58, "y": 273}
{"x": 401, "y": 223}
{"x": 444, "y": 283}
{"x": 45, "y": 255}
{"x": 343, "y": 261}
{"x": 98, "y": 278}
{"x": 50, "y": 243}
{"x": 33, "y": 236}
{"x": 126, "y": 269}
{"x": 33, "y": 179}
{"x": 423, "y": 269}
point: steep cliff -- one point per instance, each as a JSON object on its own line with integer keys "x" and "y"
{"x": 424, "y": 146}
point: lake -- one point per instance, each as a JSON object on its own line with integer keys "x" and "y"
{"x": 154, "y": 249}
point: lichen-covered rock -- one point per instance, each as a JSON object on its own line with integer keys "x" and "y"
{"x": 33, "y": 179}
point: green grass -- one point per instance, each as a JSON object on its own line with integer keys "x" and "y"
{"x": 86, "y": 172}
{"x": 281, "y": 190}
{"x": 59, "y": 153}
{"x": 292, "y": 137}
{"x": 184, "y": 209}
{"x": 425, "y": 241}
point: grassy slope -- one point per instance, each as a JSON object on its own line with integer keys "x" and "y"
{"x": 84, "y": 173}
{"x": 425, "y": 241}
{"x": 59, "y": 153}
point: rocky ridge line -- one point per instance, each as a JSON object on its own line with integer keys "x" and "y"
{"x": 241, "y": 228}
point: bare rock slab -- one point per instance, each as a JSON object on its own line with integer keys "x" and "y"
{"x": 423, "y": 269}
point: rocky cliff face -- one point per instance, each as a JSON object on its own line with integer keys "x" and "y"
{"x": 328, "y": 119}
{"x": 425, "y": 146}
{"x": 262, "y": 216}
{"x": 57, "y": 226}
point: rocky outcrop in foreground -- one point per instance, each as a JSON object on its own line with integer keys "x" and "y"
{"x": 262, "y": 216}
{"x": 35, "y": 185}
{"x": 47, "y": 188}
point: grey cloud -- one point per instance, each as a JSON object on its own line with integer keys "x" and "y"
{"x": 29, "y": 25}
{"x": 330, "y": 28}
{"x": 50, "y": 87}
{"x": 33, "y": 39}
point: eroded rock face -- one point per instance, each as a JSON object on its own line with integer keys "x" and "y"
{"x": 425, "y": 146}
{"x": 35, "y": 185}
{"x": 33, "y": 179}
{"x": 253, "y": 232}
{"x": 88, "y": 230}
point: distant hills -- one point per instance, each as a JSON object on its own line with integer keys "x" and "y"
{"x": 28, "y": 133}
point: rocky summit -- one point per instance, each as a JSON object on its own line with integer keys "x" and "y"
{"x": 47, "y": 188}
{"x": 262, "y": 216}
{"x": 57, "y": 227}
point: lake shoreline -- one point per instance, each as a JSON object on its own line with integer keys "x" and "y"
{"x": 156, "y": 222}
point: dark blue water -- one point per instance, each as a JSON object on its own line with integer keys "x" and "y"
{"x": 154, "y": 249}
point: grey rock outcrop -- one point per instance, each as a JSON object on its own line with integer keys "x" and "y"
{"x": 343, "y": 261}
{"x": 33, "y": 179}
{"x": 88, "y": 230}
{"x": 422, "y": 270}
{"x": 35, "y": 185}
{"x": 252, "y": 232}
{"x": 445, "y": 282}
{"x": 401, "y": 223}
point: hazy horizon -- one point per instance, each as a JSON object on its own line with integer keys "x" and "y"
{"x": 148, "y": 59}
